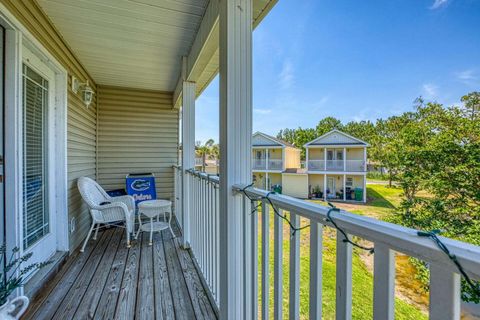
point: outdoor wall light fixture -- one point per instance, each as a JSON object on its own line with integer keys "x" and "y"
{"x": 87, "y": 94}
{"x": 85, "y": 89}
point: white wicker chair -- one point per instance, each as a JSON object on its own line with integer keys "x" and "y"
{"x": 106, "y": 210}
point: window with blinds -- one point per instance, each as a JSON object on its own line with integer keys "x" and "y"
{"x": 35, "y": 107}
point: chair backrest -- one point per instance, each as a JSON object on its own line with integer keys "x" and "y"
{"x": 91, "y": 192}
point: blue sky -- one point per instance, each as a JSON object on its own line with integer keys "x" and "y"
{"x": 355, "y": 60}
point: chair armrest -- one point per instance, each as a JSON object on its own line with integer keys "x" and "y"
{"x": 113, "y": 204}
{"x": 128, "y": 200}
{"x": 118, "y": 205}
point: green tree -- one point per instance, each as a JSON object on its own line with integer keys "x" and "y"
{"x": 328, "y": 124}
{"x": 440, "y": 150}
{"x": 204, "y": 150}
{"x": 298, "y": 137}
{"x": 472, "y": 104}
{"x": 363, "y": 130}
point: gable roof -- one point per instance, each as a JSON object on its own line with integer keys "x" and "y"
{"x": 336, "y": 137}
{"x": 260, "y": 139}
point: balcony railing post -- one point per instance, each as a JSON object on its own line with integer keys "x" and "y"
{"x": 235, "y": 38}
{"x": 343, "y": 306}
{"x": 384, "y": 283}
{"x": 444, "y": 293}
{"x": 188, "y": 153}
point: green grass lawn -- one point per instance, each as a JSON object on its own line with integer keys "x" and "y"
{"x": 383, "y": 200}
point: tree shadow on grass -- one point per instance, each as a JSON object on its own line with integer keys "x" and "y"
{"x": 375, "y": 199}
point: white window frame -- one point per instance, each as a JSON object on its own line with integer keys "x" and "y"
{"x": 347, "y": 183}
{"x": 16, "y": 38}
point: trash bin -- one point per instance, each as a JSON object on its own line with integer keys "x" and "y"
{"x": 277, "y": 188}
{"x": 358, "y": 194}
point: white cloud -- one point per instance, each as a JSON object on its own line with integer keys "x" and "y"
{"x": 438, "y": 4}
{"x": 466, "y": 75}
{"x": 262, "y": 111}
{"x": 429, "y": 90}
{"x": 286, "y": 75}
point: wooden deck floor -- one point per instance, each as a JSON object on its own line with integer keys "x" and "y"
{"x": 109, "y": 281}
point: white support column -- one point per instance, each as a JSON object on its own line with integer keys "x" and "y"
{"x": 325, "y": 158}
{"x": 365, "y": 175}
{"x": 235, "y": 149}
{"x": 344, "y": 187}
{"x": 266, "y": 158}
{"x": 188, "y": 154}
{"x": 306, "y": 158}
{"x": 365, "y": 159}
{"x": 325, "y": 187}
{"x": 365, "y": 188}
{"x": 266, "y": 182}
{"x": 344, "y": 159}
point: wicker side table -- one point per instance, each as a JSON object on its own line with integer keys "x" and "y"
{"x": 154, "y": 209}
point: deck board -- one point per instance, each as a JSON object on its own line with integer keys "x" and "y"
{"x": 182, "y": 303}
{"x": 110, "y": 281}
{"x": 128, "y": 291}
{"x": 145, "y": 303}
{"x": 89, "y": 303}
{"x": 109, "y": 297}
{"x": 70, "y": 303}
{"x": 46, "y": 303}
{"x": 163, "y": 295}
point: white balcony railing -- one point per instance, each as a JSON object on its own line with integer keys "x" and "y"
{"x": 263, "y": 164}
{"x": 336, "y": 165}
{"x": 259, "y": 164}
{"x": 177, "y": 203}
{"x": 355, "y": 165}
{"x": 316, "y": 165}
{"x": 204, "y": 227}
{"x": 275, "y": 164}
{"x": 386, "y": 238}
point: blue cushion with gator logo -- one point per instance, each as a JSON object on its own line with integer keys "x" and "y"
{"x": 141, "y": 186}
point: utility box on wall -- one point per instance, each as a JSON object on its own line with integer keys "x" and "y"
{"x": 141, "y": 186}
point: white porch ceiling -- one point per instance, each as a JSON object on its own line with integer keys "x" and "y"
{"x": 135, "y": 43}
{"x": 129, "y": 43}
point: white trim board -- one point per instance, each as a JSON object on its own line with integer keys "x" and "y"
{"x": 362, "y": 143}
{"x": 18, "y": 37}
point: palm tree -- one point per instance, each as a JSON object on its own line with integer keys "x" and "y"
{"x": 215, "y": 152}
{"x": 204, "y": 150}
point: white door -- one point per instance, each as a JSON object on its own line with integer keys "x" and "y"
{"x": 38, "y": 234}
{"x": 331, "y": 187}
{"x": 339, "y": 159}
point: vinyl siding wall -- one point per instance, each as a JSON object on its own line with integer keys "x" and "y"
{"x": 355, "y": 153}
{"x": 292, "y": 158}
{"x": 137, "y": 133}
{"x": 295, "y": 185}
{"x": 81, "y": 122}
{"x": 315, "y": 154}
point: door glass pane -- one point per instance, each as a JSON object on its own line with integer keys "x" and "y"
{"x": 329, "y": 155}
{"x": 35, "y": 211}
